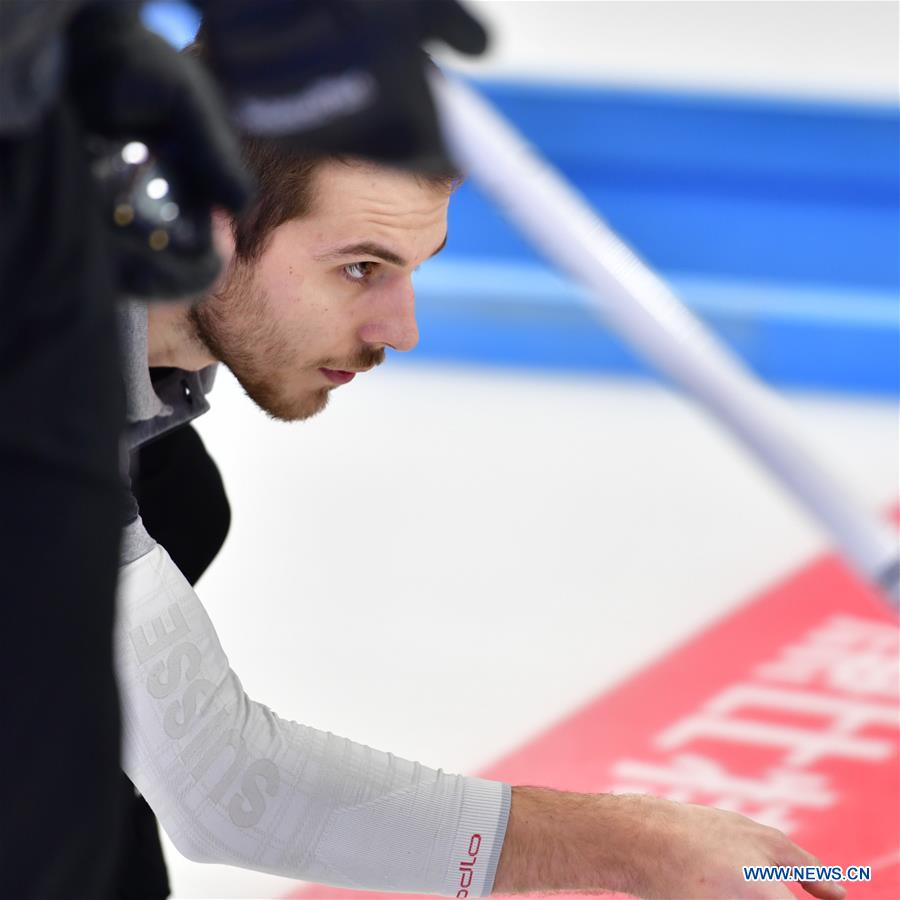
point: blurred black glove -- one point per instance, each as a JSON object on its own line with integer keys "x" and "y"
{"x": 128, "y": 85}
{"x": 344, "y": 76}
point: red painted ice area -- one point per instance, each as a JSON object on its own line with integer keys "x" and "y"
{"x": 785, "y": 710}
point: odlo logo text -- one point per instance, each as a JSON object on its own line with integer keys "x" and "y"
{"x": 467, "y": 865}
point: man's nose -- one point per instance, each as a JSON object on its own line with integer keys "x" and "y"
{"x": 392, "y": 322}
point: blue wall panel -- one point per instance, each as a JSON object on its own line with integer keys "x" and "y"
{"x": 777, "y": 222}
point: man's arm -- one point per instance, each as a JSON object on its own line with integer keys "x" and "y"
{"x": 232, "y": 782}
{"x": 640, "y": 845}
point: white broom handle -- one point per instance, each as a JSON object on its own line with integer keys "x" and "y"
{"x": 638, "y": 305}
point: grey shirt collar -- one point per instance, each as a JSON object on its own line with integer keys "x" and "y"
{"x": 151, "y": 410}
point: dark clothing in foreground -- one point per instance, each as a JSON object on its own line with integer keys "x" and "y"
{"x": 61, "y": 495}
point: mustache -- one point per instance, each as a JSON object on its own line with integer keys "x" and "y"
{"x": 365, "y": 359}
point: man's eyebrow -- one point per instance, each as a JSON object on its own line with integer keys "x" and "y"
{"x": 370, "y": 248}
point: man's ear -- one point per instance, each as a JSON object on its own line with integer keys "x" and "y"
{"x": 223, "y": 236}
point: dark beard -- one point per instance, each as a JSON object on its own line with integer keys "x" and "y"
{"x": 241, "y": 348}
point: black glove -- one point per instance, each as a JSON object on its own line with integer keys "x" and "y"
{"x": 344, "y": 76}
{"x": 127, "y": 84}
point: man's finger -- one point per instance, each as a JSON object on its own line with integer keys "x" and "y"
{"x": 826, "y": 890}
{"x": 454, "y": 25}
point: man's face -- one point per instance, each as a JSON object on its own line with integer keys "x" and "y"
{"x": 329, "y": 292}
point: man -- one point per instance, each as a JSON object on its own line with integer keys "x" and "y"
{"x": 318, "y": 285}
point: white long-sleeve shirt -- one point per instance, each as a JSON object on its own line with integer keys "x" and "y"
{"x": 233, "y": 782}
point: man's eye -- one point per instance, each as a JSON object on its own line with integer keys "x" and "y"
{"x": 358, "y": 271}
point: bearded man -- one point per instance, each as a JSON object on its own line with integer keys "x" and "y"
{"x": 317, "y": 285}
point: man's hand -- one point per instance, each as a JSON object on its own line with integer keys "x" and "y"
{"x": 641, "y": 845}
